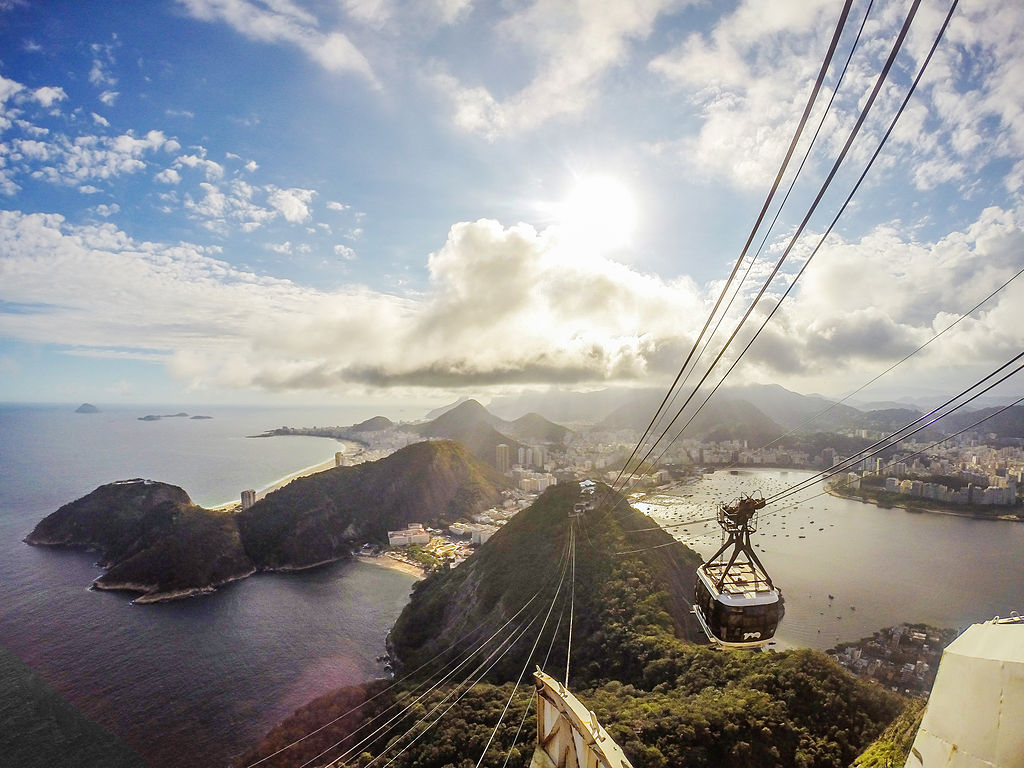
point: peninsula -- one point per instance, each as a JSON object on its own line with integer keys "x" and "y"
{"x": 154, "y": 540}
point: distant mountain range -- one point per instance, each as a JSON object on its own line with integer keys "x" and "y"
{"x": 154, "y": 540}
{"x": 482, "y": 432}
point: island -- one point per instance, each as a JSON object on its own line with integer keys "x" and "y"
{"x": 155, "y": 541}
{"x": 87, "y": 408}
{"x": 155, "y": 417}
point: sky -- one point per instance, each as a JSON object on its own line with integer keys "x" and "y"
{"x": 341, "y": 201}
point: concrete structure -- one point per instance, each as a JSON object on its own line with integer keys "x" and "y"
{"x": 414, "y": 534}
{"x": 503, "y": 458}
{"x": 568, "y": 734}
{"x": 248, "y": 498}
{"x": 975, "y": 716}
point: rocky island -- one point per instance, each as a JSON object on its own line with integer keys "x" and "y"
{"x": 154, "y": 540}
{"x": 87, "y": 408}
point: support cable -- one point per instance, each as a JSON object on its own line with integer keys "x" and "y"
{"x": 915, "y": 453}
{"x": 853, "y": 134}
{"x": 764, "y": 209}
{"x": 892, "y": 439}
{"x": 775, "y": 219}
{"x": 572, "y": 604}
{"x": 468, "y": 657}
{"x": 468, "y": 688}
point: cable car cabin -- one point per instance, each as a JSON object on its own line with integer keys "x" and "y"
{"x": 744, "y": 612}
{"x": 735, "y": 600}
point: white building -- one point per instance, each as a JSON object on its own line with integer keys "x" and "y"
{"x": 414, "y": 534}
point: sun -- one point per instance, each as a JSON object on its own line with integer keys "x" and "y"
{"x": 599, "y": 213}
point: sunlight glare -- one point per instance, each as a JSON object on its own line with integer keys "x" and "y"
{"x": 600, "y": 213}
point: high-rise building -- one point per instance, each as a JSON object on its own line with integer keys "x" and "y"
{"x": 248, "y": 498}
{"x": 503, "y": 459}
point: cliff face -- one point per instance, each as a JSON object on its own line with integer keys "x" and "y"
{"x": 154, "y": 540}
{"x": 318, "y": 518}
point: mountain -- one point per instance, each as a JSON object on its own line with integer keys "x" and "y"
{"x": 376, "y": 424}
{"x": 888, "y": 419}
{"x": 722, "y": 418}
{"x": 534, "y": 428}
{"x": 87, "y": 408}
{"x": 320, "y": 517}
{"x": 562, "y": 406}
{"x": 471, "y": 425}
{"x": 444, "y": 409}
{"x": 482, "y": 432}
{"x": 791, "y": 409}
{"x": 151, "y": 538}
{"x": 665, "y": 701}
{"x": 1009, "y": 423}
{"x": 154, "y": 540}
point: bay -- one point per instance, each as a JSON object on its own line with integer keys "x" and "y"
{"x": 195, "y": 681}
{"x": 847, "y": 568}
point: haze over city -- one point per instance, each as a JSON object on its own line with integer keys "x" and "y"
{"x": 232, "y": 201}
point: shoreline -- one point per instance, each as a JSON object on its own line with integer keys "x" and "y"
{"x": 929, "y": 510}
{"x": 281, "y": 482}
{"x": 394, "y": 564}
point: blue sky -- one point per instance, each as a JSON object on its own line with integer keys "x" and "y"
{"x": 374, "y": 200}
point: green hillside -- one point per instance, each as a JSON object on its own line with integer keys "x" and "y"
{"x": 318, "y": 518}
{"x": 154, "y": 540}
{"x": 667, "y": 701}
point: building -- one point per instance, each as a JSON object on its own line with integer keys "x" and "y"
{"x": 248, "y": 498}
{"x": 503, "y": 458}
{"x": 415, "y": 533}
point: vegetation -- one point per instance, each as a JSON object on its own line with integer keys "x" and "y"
{"x": 666, "y": 701}
{"x": 153, "y": 539}
{"x": 892, "y": 748}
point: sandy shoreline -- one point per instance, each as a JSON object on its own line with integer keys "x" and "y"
{"x": 345, "y": 447}
{"x": 387, "y": 561}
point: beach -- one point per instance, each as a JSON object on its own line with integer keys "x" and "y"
{"x": 393, "y": 563}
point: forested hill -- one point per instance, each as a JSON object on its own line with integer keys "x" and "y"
{"x": 668, "y": 702}
{"x": 319, "y": 517}
{"x": 527, "y": 554}
{"x": 154, "y": 540}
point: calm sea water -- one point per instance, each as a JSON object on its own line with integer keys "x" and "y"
{"x": 881, "y": 566}
{"x": 192, "y": 682}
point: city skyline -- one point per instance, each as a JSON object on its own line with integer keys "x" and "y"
{"x": 273, "y": 202}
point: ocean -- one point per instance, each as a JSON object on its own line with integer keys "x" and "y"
{"x": 194, "y": 682}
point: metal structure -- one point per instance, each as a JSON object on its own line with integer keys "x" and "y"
{"x": 735, "y": 600}
{"x": 568, "y": 734}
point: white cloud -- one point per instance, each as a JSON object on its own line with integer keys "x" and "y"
{"x": 168, "y": 176}
{"x": 504, "y": 305}
{"x": 750, "y": 75}
{"x": 344, "y": 252}
{"x": 48, "y": 95}
{"x": 106, "y": 211}
{"x": 283, "y": 22}
{"x": 285, "y": 247}
{"x": 213, "y": 170}
{"x": 573, "y": 46}
{"x": 109, "y": 97}
{"x": 251, "y": 166}
{"x": 292, "y": 203}
{"x": 336, "y": 206}
{"x": 100, "y": 120}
